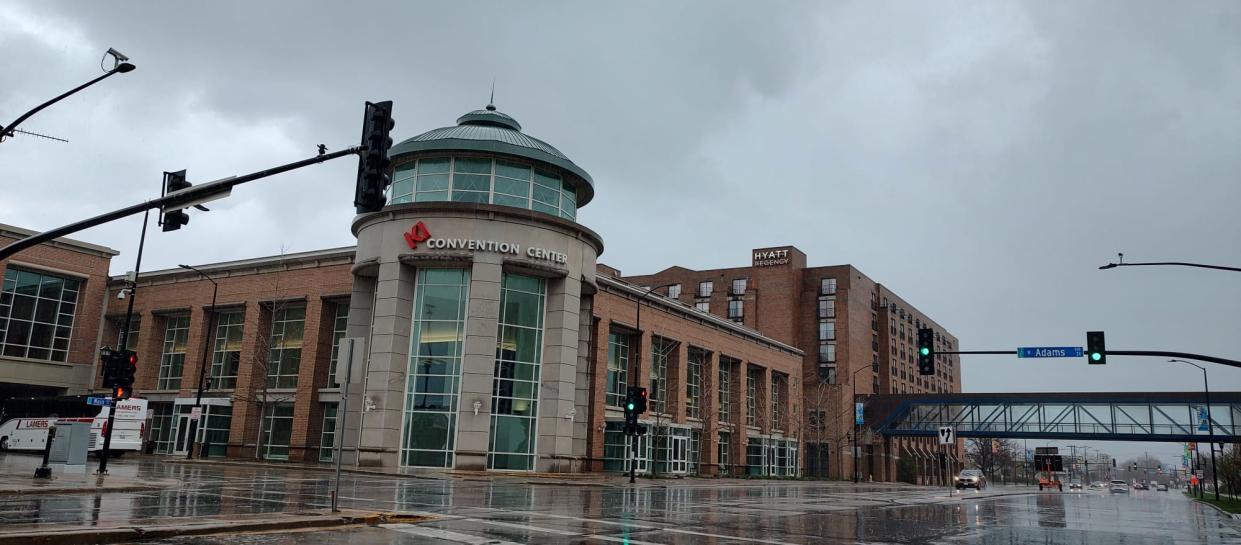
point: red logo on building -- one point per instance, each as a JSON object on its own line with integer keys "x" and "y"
{"x": 417, "y": 233}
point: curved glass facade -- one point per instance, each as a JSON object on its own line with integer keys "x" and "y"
{"x": 434, "y": 375}
{"x": 484, "y": 180}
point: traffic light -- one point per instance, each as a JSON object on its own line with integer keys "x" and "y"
{"x": 377, "y": 125}
{"x": 174, "y": 219}
{"x": 1096, "y": 349}
{"x": 107, "y": 362}
{"x": 121, "y": 392}
{"x": 1113, "y": 462}
{"x": 127, "y": 364}
{"x": 639, "y": 398}
{"x": 926, "y": 351}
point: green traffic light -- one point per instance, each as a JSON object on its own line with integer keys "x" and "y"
{"x": 1096, "y": 356}
{"x": 925, "y": 351}
{"x": 630, "y": 406}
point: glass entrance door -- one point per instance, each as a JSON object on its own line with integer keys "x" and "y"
{"x": 644, "y": 459}
{"x": 678, "y": 455}
{"x": 182, "y": 443}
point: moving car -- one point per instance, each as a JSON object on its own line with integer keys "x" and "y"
{"x": 1118, "y": 486}
{"x": 1163, "y": 488}
{"x": 1075, "y": 485}
{"x": 970, "y": 478}
{"x": 1140, "y": 486}
{"x": 1098, "y": 485}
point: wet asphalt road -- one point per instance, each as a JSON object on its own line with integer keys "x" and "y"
{"x": 512, "y": 510}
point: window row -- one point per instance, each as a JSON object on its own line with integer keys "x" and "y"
{"x": 484, "y": 180}
{"x": 36, "y": 314}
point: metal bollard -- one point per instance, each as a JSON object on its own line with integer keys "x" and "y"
{"x": 44, "y": 471}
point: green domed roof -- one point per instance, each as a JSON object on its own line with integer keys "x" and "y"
{"x": 489, "y": 130}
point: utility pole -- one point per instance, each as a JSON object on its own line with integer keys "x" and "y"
{"x": 129, "y": 318}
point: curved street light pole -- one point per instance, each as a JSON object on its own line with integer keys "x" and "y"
{"x": 1206, "y": 387}
{"x": 197, "y": 424}
{"x": 857, "y": 453}
{"x": 637, "y": 370}
{"x": 121, "y": 68}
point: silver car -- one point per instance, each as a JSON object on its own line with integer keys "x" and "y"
{"x": 970, "y": 478}
{"x": 1118, "y": 486}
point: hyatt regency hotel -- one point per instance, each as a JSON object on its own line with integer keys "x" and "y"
{"x": 490, "y": 337}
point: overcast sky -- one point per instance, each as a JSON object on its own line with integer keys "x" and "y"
{"x": 981, "y": 159}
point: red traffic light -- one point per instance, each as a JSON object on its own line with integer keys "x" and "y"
{"x": 133, "y": 359}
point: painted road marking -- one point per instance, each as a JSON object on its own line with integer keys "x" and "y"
{"x": 446, "y": 535}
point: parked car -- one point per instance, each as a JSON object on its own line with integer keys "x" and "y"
{"x": 1098, "y": 485}
{"x": 1163, "y": 488}
{"x": 970, "y": 478}
{"x": 1118, "y": 486}
{"x": 1140, "y": 486}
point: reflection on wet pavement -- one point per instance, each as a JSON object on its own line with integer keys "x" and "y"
{"x": 514, "y": 510}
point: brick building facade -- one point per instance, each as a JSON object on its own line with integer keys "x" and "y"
{"x": 51, "y": 304}
{"x": 858, "y": 339}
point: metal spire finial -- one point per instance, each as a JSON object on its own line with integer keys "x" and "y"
{"x": 491, "y": 103}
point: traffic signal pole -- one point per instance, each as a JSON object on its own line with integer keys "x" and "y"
{"x": 129, "y": 316}
{"x": 179, "y": 199}
{"x": 1156, "y": 353}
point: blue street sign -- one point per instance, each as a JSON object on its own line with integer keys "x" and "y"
{"x": 857, "y": 413}
{"x": 1049, "y": 352}
{"x": 100, "y": 401}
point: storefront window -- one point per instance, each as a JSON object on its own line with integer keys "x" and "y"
{"x": 618, "y": 367}
{"x": 340, "y": 320}
{"x": 693, "y": 382}
{"x": 433, "y": 380}
{"x": 661, "y": 350}
{"x": 484, "y": 180}
{"x": 515, "y": 389}
{"x": 214, "y": 433}
{"x": 36, "y": 314}
{"x": 277, "y": 430}
{"x": 285, "y": 357}
{"x": 327, "y": 439}
{"x": 227, "y": 356}
{"x": 172, "y": 360}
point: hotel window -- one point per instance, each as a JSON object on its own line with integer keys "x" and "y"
{"x": 723, "y": 452}
{"x": 515, "y": 390}
{"x": 618, "y": 368}
{"x": 693, "y": 382}
{"x": 285, "y": 357}
{"x": 736, "y": 310}
{"x": 827, "y": 308}
{"x": 827, "y": 352}
{"x": 482, "y": 180}
{"x": 36, "y": 314}
{"x": 827, "y": 286}
{"x": 172, "y": 358}
{"x": 226, "y": 359}
{"x": 340, "y": 319}
{"x": 827, "y": 373}
{"x": 739, "y": 286}
{"x": 751, "y": 396}
{"x": 433, "y": 375}
{"x": 703, "y": 306}
{"x": 705, "y": 288}
{"x": 661, "y": 349}
{"x": 827, "y": 330}
{"x": 674, "y": 291}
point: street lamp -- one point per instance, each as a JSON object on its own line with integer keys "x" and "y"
{"x": 1121, "y": 263}
{"x": 1206, "y": 387}
{"x": 857, "y": 474}
{"x": 637, "y": 367}
{"x": 202, "y": 367}
{"x": 119, "y": 66}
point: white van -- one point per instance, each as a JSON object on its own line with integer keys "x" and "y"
{"x": 30, "y": 433}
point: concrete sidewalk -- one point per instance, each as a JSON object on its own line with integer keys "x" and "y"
{"x": 123, "y": 533}
{"x": 17, "y": 478}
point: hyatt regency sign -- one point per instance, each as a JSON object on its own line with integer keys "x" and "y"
{"x": 419, "y": 233}
{"x": 768, "y": 258}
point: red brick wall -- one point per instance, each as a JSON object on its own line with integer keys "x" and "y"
{"x": 55, "y": 257}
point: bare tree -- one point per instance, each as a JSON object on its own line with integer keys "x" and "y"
{"x": 662, "y": 428}
{"x": 262, "y": 365}
{"x": 990, "y": 455}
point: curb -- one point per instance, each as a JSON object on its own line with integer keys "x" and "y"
{"x": 1222, "y": 511}
{"x": 91, "y": 490}
{"x": 298, "y": 467}
{"x": 128, "y": 534}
